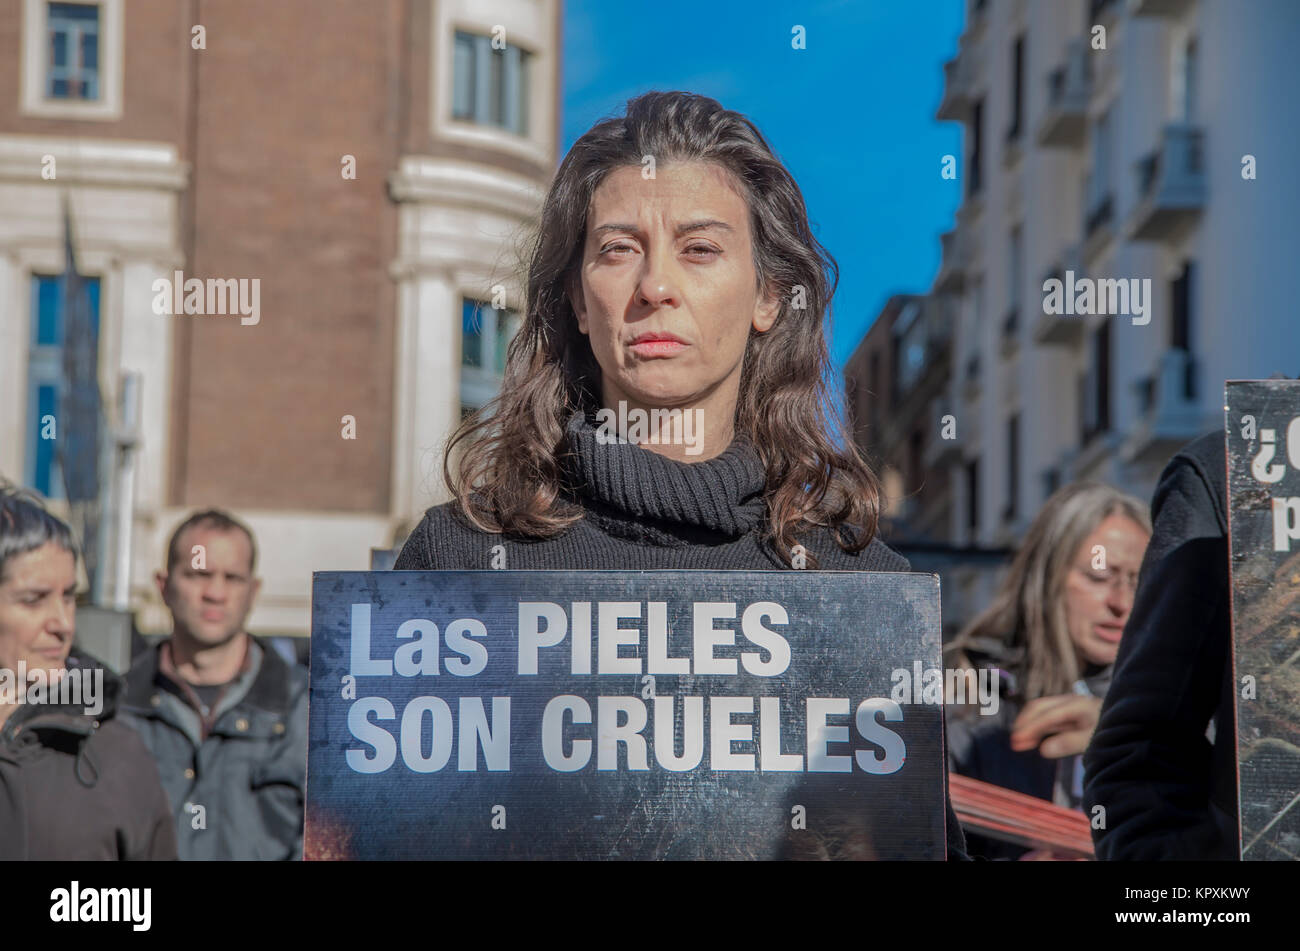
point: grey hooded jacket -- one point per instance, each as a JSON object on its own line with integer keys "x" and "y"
{"x": 236, "y": 782}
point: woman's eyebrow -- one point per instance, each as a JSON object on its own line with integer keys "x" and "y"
{"x": 682, "y": 229}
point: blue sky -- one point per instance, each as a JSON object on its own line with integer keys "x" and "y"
{"x": 852, "y": 116}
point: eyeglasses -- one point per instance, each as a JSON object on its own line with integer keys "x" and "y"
{"x": 1127, "y": 579}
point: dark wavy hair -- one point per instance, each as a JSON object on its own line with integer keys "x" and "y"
{"x": 26, "y": 525}
{"x": 510, "y": 478}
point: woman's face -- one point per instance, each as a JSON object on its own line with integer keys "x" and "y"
{"x": 670, "y": 257}
{"x": 1098, "y": 600}
{"x": 38, "y": 608}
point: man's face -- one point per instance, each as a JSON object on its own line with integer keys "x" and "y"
{"x": 38, "y": 608}
{"x": 210, "y": 599}
{"x": 1098, "y": 600}
{"x": 645, "y": 270}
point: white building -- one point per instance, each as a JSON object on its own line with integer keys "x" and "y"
{"x": 1108, "y": 138}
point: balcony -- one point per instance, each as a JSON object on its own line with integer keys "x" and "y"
{"x": 1168, "y": 413}
{"x": 1159, "y": 8}
{"x": 956, "y": 258}
{"x": 1098, "y": 226}
{"x": 1171, "y": 185}
{"x": 971, "y": 381}
{"x": 1069, "y": 86}
{"x": 1011, "y": 331}
{"x": 958, "y": 83}
{"x": 940, "y": 452}
{"x": 1011, "y": 147}
{"x": 1064, "y": 329}
{"x": 1089, "y": 460}
{"x": 1099, "y": 10}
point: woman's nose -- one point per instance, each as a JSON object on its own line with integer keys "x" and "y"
{"x": 65, "y": 617}
{"x": 1120, "y": 598}
{"x": 657, "y": 286}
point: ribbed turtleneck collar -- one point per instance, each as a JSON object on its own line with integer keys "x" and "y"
{"x": 723, "y": 494}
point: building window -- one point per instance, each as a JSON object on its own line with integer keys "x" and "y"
{"x": 1015, "y": 268}
{"x": 1015, "y": 265}
{"x": 72, "y": 59}
{"x": 973, "y": 180}
{"x": 1017, "y": 87}
{"x": 916, "y": 457}
{"x": 1094, "y": 395}
{"x": 973, "y": 498}
{"x": 471, "y": 334}
{"x": 486, "y": 333}
{"x": 1098, "y": 179}
{"x": 45, "y": 378}
{"x": 1051, "y": 482}
{"x": 72, "y": 66}
{"x": 1185, "y": 78}
{"x": 1101, "y": 360}
{"x": 490, "y": 86}
{"x": 909, "y": 342}
{"x": 1180, "y": 325}
{"x": 1013, "y": 467}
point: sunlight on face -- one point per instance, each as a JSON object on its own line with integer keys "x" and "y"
{"x": 670, "y": 257}
{"x": 38, "y": 608}
{"x": 1098, "y": 601}
{"x": 211, "y": 604}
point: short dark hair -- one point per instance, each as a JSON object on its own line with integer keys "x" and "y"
{"x": 214, "y": 518}
{"x": 26, "y": 525}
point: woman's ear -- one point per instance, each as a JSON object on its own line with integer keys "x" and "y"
{"x": 578, "y": 304}
{"x": 766, "y": 311}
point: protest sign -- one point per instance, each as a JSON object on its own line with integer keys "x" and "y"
{"x": 1263, "y": 433}
{"x": 625, "y": 715}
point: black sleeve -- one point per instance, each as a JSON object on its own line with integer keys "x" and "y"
{"x": 1149, "y": 764}
{"x": 956, "y": 837}
{"x": 415, "y": 555}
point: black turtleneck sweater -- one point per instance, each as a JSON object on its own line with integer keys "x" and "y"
{"x": 645, "y": 511}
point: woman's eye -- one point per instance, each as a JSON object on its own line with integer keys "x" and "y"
{"x": 700, "y": 248}
{"x": 616, "y": 247}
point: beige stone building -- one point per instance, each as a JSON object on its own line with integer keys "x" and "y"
{"x": 372, "y": 166}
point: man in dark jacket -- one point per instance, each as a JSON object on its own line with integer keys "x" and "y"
{"x": 225, "y": 715}
{"x": 1168, "y": 791}
{"x": 75, "y": 782}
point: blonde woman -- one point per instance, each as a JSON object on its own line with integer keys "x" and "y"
{"x": 1052, "y": 632}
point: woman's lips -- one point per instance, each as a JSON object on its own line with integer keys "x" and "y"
{"x": 658, "y": 348}
{"x": 1108, "y": 632}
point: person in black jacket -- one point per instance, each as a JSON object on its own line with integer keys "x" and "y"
{"x": 664, "y": 403}
{"x": 75, "y": 782}
{"x": 1167, "y": 788}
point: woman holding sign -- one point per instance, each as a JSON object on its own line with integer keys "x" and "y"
{"x": 664, "y": 403}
